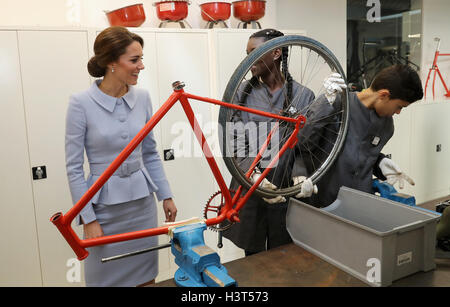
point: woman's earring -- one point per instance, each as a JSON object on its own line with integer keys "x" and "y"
{"x": 112, "y": 69}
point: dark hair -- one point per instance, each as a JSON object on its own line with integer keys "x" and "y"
{"x": 109, "y": 45}
{"x": 402, "y": 81}
{"x": 268, "y": 34}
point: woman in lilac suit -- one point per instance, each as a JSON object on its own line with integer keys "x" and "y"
{"x": 102, "y": 121}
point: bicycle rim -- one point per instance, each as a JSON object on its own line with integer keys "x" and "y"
{"x": 308, "y": 63}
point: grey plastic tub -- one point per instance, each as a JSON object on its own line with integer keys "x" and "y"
{"x": 372, "y": 238}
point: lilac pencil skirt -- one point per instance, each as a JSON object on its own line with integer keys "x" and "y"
{"x": 130, "y": 271}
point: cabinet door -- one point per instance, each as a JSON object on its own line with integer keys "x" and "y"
{"x": 184, "y": 56}
{"x": 53, "y": 65}
{"x": 19, "y": 265}
{"x": 228, "y": 49}
{"x": 148, "y": 79}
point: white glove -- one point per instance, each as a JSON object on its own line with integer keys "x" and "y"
{"x": 266, "y": 184}
{"x": 394, "y": 174}
{"x": 333, "y": 84}
{"x": 308, "y": 188}
{"x": 275, "y": 200}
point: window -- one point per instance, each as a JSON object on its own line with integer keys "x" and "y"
{"x": 381, "y": 33}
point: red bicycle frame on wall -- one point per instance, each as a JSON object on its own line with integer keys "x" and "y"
{"x": 435, "y": 68}
{"x": 232, "y": 205}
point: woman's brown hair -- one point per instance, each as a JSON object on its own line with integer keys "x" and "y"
{"x": 109, "y": 45}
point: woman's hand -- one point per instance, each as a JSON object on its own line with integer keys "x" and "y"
{"x": 170, "y": 210}
{"x": 92, "y": 230}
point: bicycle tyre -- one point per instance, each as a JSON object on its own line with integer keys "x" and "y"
{"x": 236, "y": 81}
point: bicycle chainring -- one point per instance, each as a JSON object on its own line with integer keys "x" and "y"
{"x": 214, "y": 205}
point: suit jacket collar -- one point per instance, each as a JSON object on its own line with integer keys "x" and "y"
{"x": 109, "y": 102}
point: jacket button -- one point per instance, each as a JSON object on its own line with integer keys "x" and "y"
{"x": 124, "y": 136}
{"x": 122, "y": 119}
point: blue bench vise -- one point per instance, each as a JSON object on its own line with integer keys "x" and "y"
{"x": 199, "y": 265}
{"x": 389, "y": 192}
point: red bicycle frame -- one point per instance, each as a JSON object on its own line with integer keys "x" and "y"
{"x": 435, "y": 68}
{"x": 63, "y": 222}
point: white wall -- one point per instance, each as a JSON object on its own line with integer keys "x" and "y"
{"x": 424, "y": 125}
{"x": 433, "y": 114}
{"x": 324, "y": 21}
{"x": 435, "y": 23}
{"x": 88, "y": 13}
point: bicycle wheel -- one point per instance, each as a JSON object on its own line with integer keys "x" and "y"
{"x": 303, "y": 66}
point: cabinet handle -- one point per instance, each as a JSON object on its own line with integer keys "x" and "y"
{"x": 169, "y": 154}
{"x": 39, "y": 172}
